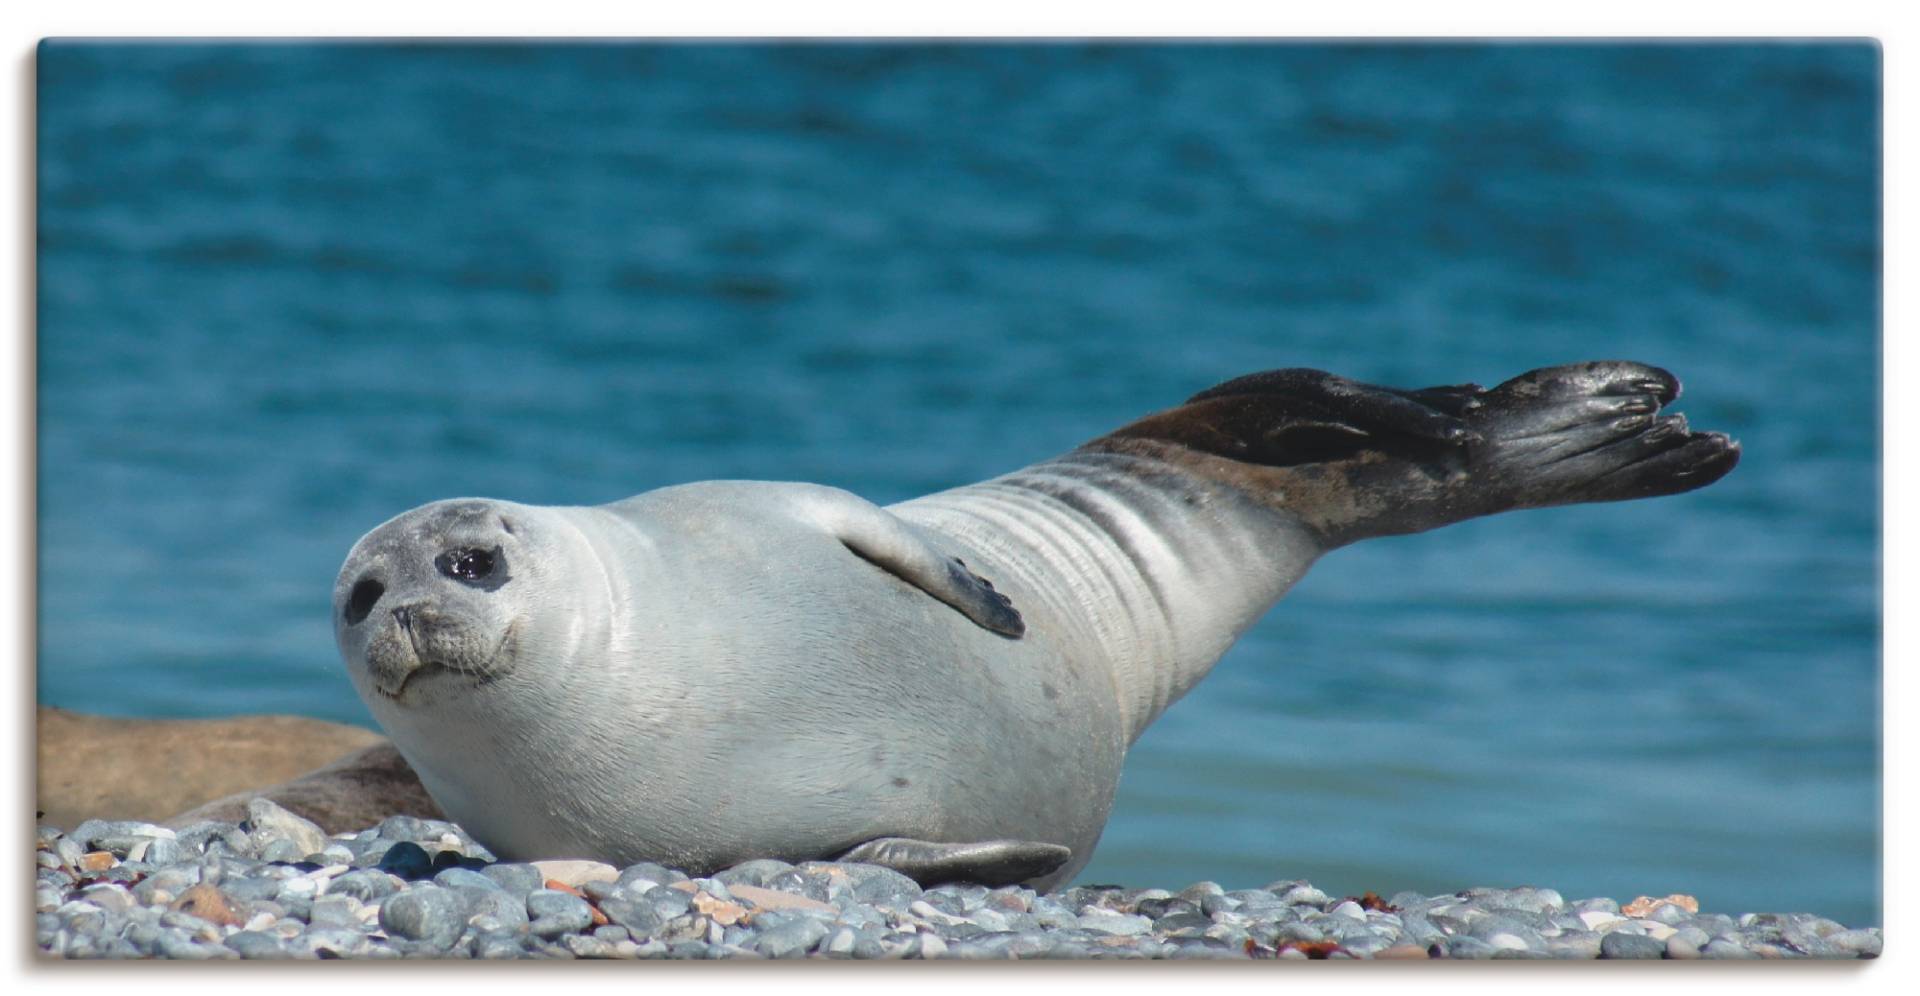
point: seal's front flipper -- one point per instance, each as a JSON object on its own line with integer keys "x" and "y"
{"x": 990, "y": 863}
{"x": 889, "y": 543}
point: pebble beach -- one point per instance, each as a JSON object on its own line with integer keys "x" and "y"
{"x": 275, "y": 886}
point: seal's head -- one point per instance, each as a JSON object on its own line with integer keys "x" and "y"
{"x": 440, "y": 600}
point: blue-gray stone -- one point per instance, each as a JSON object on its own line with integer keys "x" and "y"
{"x": 249, "y": 889}
{"x": 647, "y": 872}
{"x": 1864, "y": 942}
{"x": 1574, "y": 946}
{"x": 507, "y": 910}
{"x": 668, "y": 903}
{"x": 1670, "y": 914}
{"x": 1620, "y": 944}
{"x": 945, "y": 902}
{"x": 1727, "y": 948}
{"x": 689, "y": 950}
{"x": 587, "y": 946}
{"x": 334, "y": 911}
{"x": 256, "y": 944}
{"x": 426, "y": 913}
{"x": 330, "y": 942}
{"x": 517, "y": 879}
{"x": 790, "y": 940}
{"x": 405, "y": 828}
{"x": 637, "y": 916}
{"x": 755, "y": 872}
{"x": 554, "y": 913}
{"x": 455, "y": 878}
{"x": 875, "y": 884}
{"x": 368, "y": 885}
{"x": 163, "y": 851}
{"x": 1405, "y": 901}
{"x": 193, "y": 839}
{"x": 182, "y": 948}
{"x": 281, "y": 850}
{"x": 1214, "y": 904}
{"x": 1715, "y": 924}
{"x": 1469, "y": 947}
{"x": 498, "y": 945}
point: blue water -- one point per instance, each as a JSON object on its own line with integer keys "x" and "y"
{"x": 287, "y": 291}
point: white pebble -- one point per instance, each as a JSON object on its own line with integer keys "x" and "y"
{"x": 1600, "y": 922}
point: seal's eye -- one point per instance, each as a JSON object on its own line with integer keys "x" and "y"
{"x": 472, "y": 566}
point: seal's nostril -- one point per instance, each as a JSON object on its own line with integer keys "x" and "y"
{"x": 365, "y": 594}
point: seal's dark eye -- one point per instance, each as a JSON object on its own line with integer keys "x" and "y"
{"x": 468, "y": 565}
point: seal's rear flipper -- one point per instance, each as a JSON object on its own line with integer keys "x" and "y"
{"x": 1353, "y": 460}
{"x": 882, "y": 539}
{"x": 1593, "y": 432}
{"x": 990, "y": 863}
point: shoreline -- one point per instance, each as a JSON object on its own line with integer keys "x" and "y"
{"x": 276, "y": 886}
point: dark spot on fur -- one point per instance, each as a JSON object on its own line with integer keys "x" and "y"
{"x": 899, "y": 782}
{"x": 1050, "y": 691}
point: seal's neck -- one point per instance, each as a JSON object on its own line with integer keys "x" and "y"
{"x": 1147, "y": 567}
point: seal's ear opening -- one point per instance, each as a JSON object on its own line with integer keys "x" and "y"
{"x": 366, "y": 593}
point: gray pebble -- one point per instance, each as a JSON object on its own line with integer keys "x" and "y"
{"x": 498, "y": 945}
{"x": 1669, "y": 914}
{"x": 272, "y": 823}
{"x": 506, "y": 910}
{"x": 426, "y": 913}
{"x": 1116, "y": 924}
{"x": 517, "y": 879}
{"x": 874, "y": 884}
{"x": 1723, "y": 947}
{"x": 637, "y": 916}
{"x": 1862, "y": 943}
{"x": 554, "y": 913}
{"x": 255, "y": 944}
{"x": 1620, "y": 944}
{"x": 365, "y": 884}
{"x": 791, "y": 939}
{"x": 403, "y": 828}
{"x": 755, "y": 873}
{"x": 330, "y": 942}
{"x": 456, "y": 878}
{"x": 1685, "y": 944}
{"x": 1469, "y": 947}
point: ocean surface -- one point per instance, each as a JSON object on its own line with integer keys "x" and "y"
{"x": 288, "y": 291}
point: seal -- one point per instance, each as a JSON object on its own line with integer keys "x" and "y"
{"x": 714, "y": 672}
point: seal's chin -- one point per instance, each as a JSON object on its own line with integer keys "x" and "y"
{"x": 401, "y": 670}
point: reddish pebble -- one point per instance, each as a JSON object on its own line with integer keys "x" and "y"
{"x": 209, "y": 904}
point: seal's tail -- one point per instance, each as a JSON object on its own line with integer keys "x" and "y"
{"x": 1356, "y": 460}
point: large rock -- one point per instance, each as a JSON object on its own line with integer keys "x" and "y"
{"x": 181, "y": 771}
